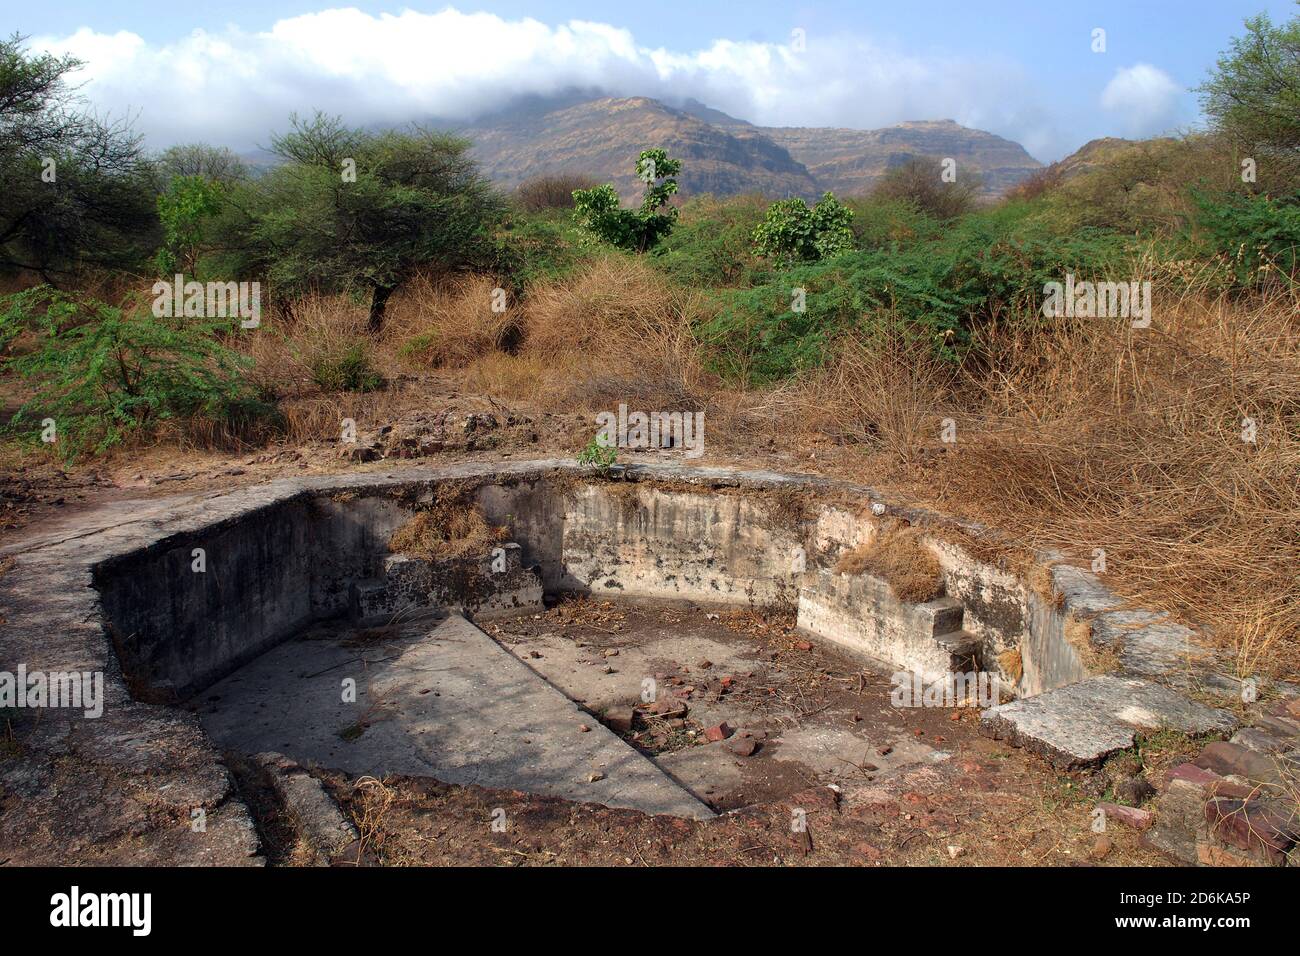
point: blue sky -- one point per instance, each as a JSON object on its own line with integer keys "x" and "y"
{"x": 230, "y": 72}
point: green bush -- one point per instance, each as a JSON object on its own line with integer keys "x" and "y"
{"x": 711, "y": 245}
{"x": 346, "y": 369}
{"x": 598, "y": 209}
{"x": 541, "y": 246}
{"x": 107, "y": 373}
{"x": 1255, "y": 235}
{"x": 885, "y": 222}
{"x": 791, "y": 232}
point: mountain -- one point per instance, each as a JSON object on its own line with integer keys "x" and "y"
{"x": 849, "y": 161}
{"x": 599, "y": 135}
{"x": 603, "y": 137}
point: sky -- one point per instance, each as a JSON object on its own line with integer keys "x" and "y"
{"x": 1035, "y": 71}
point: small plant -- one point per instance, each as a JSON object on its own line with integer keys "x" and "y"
{"x": 791, "y": 232}
{"x": 599, "y": 453}
{"x": 636, "y": 230}
{"x": 346, "y": 370}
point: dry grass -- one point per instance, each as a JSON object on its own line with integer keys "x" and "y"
{"x": 900, "y": 558}
{"x": 1094, "y": 435}
{"x": 450, "y": 323}
{"x": 630, "y": 331}
{"x": 448, "y": 529}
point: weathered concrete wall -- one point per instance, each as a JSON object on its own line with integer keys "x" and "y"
{"x": 860, "y": 613}
{"x": 120, "y": 789}
{"x": 177, "y": 629}
{"x": 636, "y": 540}
{"x": 272, "y": 571}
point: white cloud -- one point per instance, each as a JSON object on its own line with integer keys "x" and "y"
{"x": 1145, "y": 100}
{"x": 235, "y": 88}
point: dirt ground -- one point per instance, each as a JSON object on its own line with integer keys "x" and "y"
{"x": 838, "y": 775}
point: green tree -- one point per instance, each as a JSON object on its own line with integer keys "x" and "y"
{"x": 791, "y": 232}
{"x": 350, "y": 209}
{"x": 598, "y": 209}
{"x": 1254, "y": 95}
{"x": 216, "y": 163}
{"x": 74, "y": 191}
{"x": 185, "y": 209}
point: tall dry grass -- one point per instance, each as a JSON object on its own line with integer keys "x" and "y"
{"x": 622, "y": 332}
{"x": 1096, "y": 435}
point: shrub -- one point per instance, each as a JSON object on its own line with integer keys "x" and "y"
{"x": 887, "y": 222}
{"x": 107, "y": 373}
{"x": 346, "y": 369}
{"x": 919, "y": 179}
{"x": 989, "y": 267}
{"x": 791, "y": 232}
{"x": 1254, "y": 234}
{"x": 635, "y": 230}
{"x": 712, "y": 243}
{"x": 554, "y": 191}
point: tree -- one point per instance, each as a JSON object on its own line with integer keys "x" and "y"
{"x": 599, "y": 210}
{"x": 74, "y": 190}
{"x": 185, "y": 209}
{"x": 1254, "y": 95}
{"x": 791, "y": 232}
{"x": 920, "y": 180}
{"x": 350, "y": 209}
{"x": 215, "y": 163}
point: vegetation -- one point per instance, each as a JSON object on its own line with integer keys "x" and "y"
{"x": 551, "y": 192}
{"x": 791, "y": 232}
{"x": 1254, "y": 95}
{"x": 350, "y": 210}
{"x": 921, "y": 180}
{"x": 599, "y": 454}
{"x": 75, "y": 191}
{"x": 103, "y": 374}
{"x": 635, "y": 230}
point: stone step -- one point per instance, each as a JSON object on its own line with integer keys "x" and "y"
{"x": 1077, "y": 726}
{"x": 962, "y": 649}
{"x": 941, "y": 616}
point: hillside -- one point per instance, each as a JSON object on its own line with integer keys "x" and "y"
{"x": 849, "y": 161}
{"x": 723, "y": 155}
{"x": 603, "y": 137}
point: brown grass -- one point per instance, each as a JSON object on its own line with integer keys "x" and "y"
{"x": 900, "y": 558}
{"x": 446, "y": 530}
{"x": 629, "y": 330}
{"x": 1095, "y": 435}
